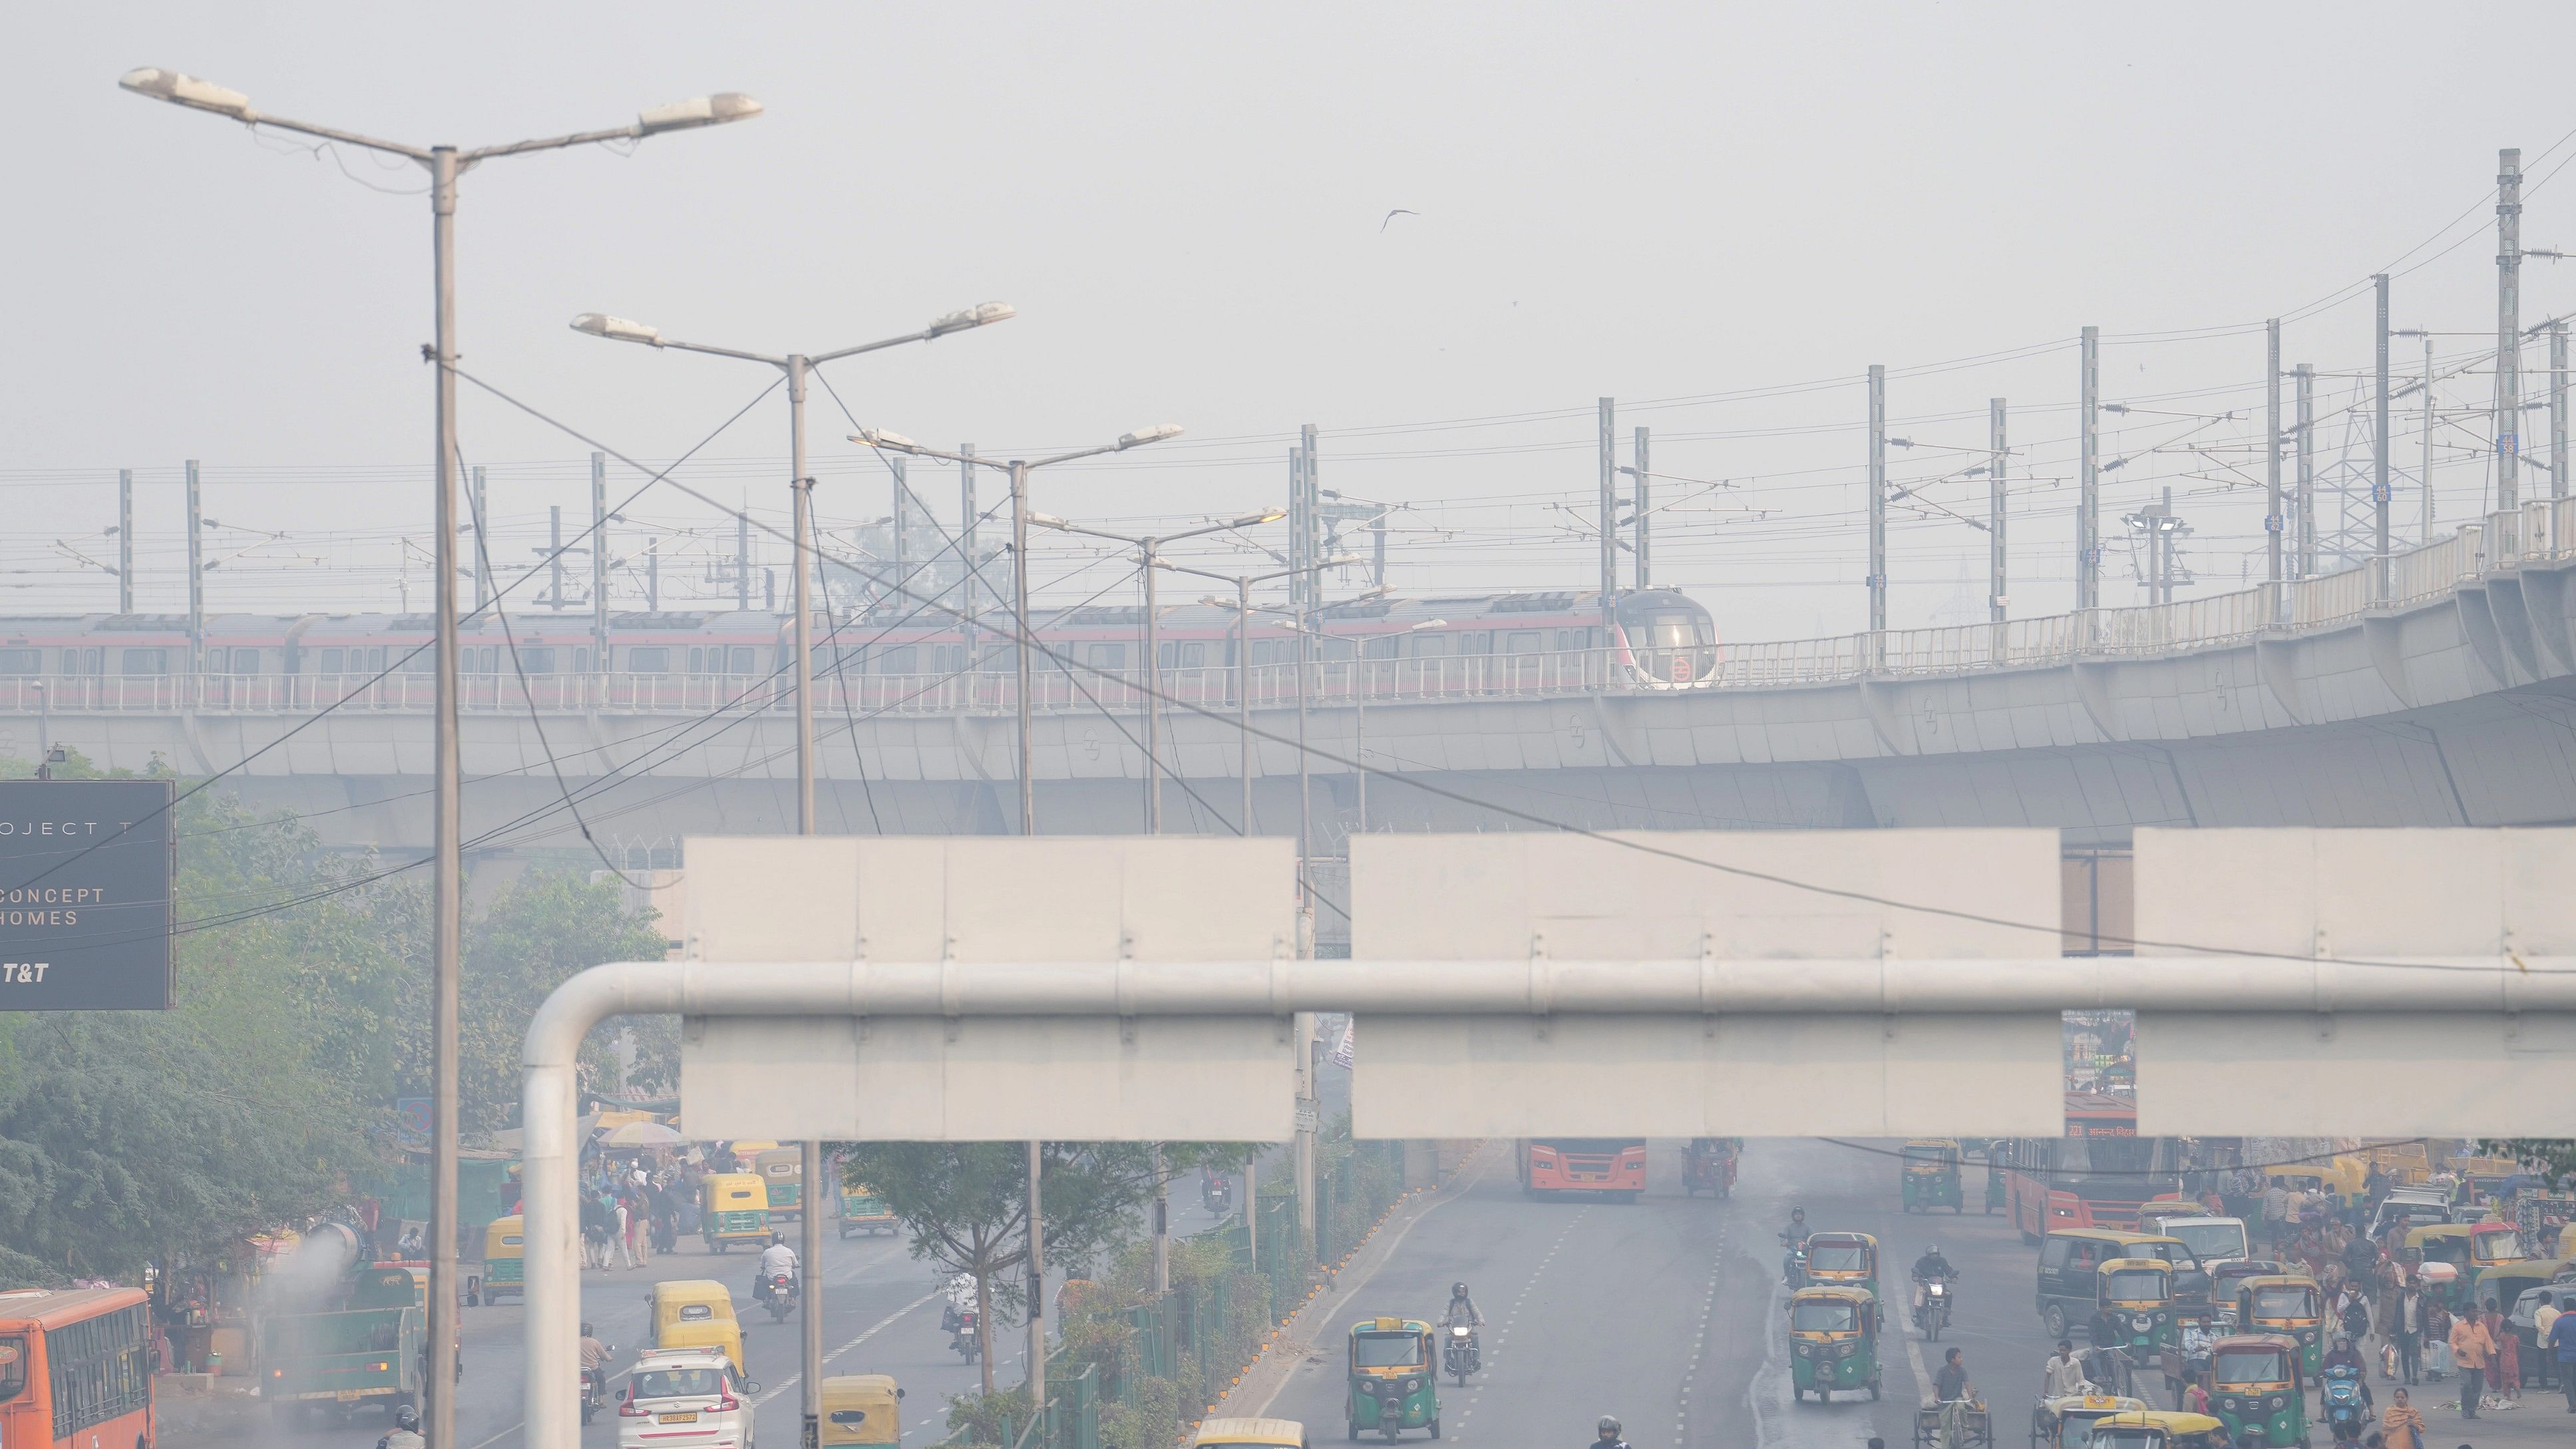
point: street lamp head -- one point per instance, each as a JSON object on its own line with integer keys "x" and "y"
{"x": 600, "y": 324}
{"x": 1430, "y": 624}
{"x": 697, "y": 111}
{"x": 1267, "y": 515}
{"x": 982, "y": 314}
{"x": 1048, "y": 520}
{"x": 1341, "y": 561}
{"x": 187, "y": 90}
{"x": 880, "y": 438}
{"x": 1155, "y": 434}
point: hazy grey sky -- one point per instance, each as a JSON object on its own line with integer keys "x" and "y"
{"x": 1185, "y": 202}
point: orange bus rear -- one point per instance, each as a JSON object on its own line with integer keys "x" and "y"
{"x": 76, "y": 1368}
{"x": 1584, "y": 1164}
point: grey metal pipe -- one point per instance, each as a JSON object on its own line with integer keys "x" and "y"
{"x": 1280, "y": 988}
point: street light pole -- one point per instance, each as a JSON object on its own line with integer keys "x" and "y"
{"x": 444, "y": 164}
{"x": 1148, "y": 559}
{"x": 1243, "y": 640}
{"x": 800, "y": 489}
{"x": 1020, "y": 518}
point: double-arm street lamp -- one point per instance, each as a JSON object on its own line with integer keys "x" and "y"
{"x": 1019, "y": 469}
{"x": 800, "y": 487}
{"x": 1147, "y": 561}
{"x": 550, "y": 1420}
{"x": 1243, "y": 674}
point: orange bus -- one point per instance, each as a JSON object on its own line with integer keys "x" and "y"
{"x": 2095, "y": 1176}
{"x": 1584, "y": 1164}
{"x": 76, "y": 1368}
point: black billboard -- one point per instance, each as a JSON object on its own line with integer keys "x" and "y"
{"x": 85, "y": 911}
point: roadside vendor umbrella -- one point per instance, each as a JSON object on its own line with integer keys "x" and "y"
{"x": 641, "y": 1134}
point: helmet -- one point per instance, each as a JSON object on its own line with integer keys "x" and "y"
{"x": 407, "y": 1417}
{"x": 1457, "y": 1290}
{"x": 585, "y": 1330}
{"x": 1797, "y": 1212}
{"x": 778, "y": 1240}
{"x": 1931, "y": 1250}
{"x": 1609, "y": 1427}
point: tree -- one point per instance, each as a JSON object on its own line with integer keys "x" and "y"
{"x": 966, "y": 1206}
{"x": 248, "y": 1104}
{"x": 535, "y": 934}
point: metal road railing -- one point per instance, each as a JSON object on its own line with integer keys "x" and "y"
{"x": 2538, "y": 532}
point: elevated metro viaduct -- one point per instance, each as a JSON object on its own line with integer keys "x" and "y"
{"x": 2450, "y": 701}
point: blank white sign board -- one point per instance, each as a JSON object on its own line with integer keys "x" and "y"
{"x": 1013, "y": 899}
{"x": 2356, "y": 895}
{"x": 1739, "y": 894}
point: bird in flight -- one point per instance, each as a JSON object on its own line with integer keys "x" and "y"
{"x": 1391, "y": 216}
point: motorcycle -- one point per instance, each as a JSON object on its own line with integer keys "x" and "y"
{"x": 1459, "y": 1355}
{"x": 594, "y": 1389}
{"x": 779, "y": 1290}
{"x": 1793, "y": 1265}
{"x": 1932, "y": 1307}
{"x": 1216, "y": 1194}
{"x": 965, "y": 1341}
{"x": 2344, "y": 1414}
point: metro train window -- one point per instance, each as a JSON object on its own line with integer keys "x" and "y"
{"x": 537, "y": 661}
{"x": 742, "y": 659}
{"x": 898, "y": 661}
{"x": 331, "y": 665}
{"x": 1431, "y": 646}
{"x": 581, "y": 661}
{"x": 648, "y": 661}
{"x": 82, "y": 661}
{"x": 145, "y": 661}
{"x": 215, "y": 660}
{"x": 1573, "y": 639}
{"x": 245, "y": 661}
{"x": 22, "y": 661}
{"x": 1105, "y": 656}
{"x": 697, "y": 661}
{"x": 375, "y": 659}
{"x": 1522, "y": 641}
{"x": 1476, "y": 641}
{"x": 1193, "y": 654}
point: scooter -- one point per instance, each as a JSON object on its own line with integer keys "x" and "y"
{"x": 2344, "y": 1415}
{"x": 1459, "y": 1355}
{"x": 968, "y": 1344}
{"x": 1793, "y": 1266}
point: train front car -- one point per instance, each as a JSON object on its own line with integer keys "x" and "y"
{"x": 1665, "y": 641}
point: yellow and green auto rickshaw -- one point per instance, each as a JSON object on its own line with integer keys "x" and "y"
{"x": 2257, "y": 1391}
{"x": 2137, "y": 1295}
{"x": 694, "y": 1313}
{"x": 1394, "y": 1380}
{"x": 735, "y": 1209}
{"x": 862, "y": 1211}
{"x": 505, "y": 1252}
{"x": 862, "y": 1409}
{"x": 2067, "y": 1422}
{"x": 1833, "y": 1342}
{"x": 1928, "y": 1176}
{"x": 1843, "y": 1260}
{"x": 2160, "y": 1429}
{"x": 2289, "y": 1306}
{"x": 782, "y": 1170}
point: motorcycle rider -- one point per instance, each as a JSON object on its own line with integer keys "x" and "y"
{"x": 1606, "y": 1434}
{"x": 775, "y": 1259}
{"x": 1795, "y": 1235}
{"x": 2344, "y": 1353}
{"x": 1928, "y": 1267}
{"x": 594, "y": 1361}
{"x": 406, "y": 1433}
{"x": 1461, "y": 1309}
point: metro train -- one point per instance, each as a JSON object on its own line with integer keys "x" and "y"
{"x": 1658, "y": 639}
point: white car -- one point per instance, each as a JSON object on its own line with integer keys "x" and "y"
{"x": 685, "y": 1398}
